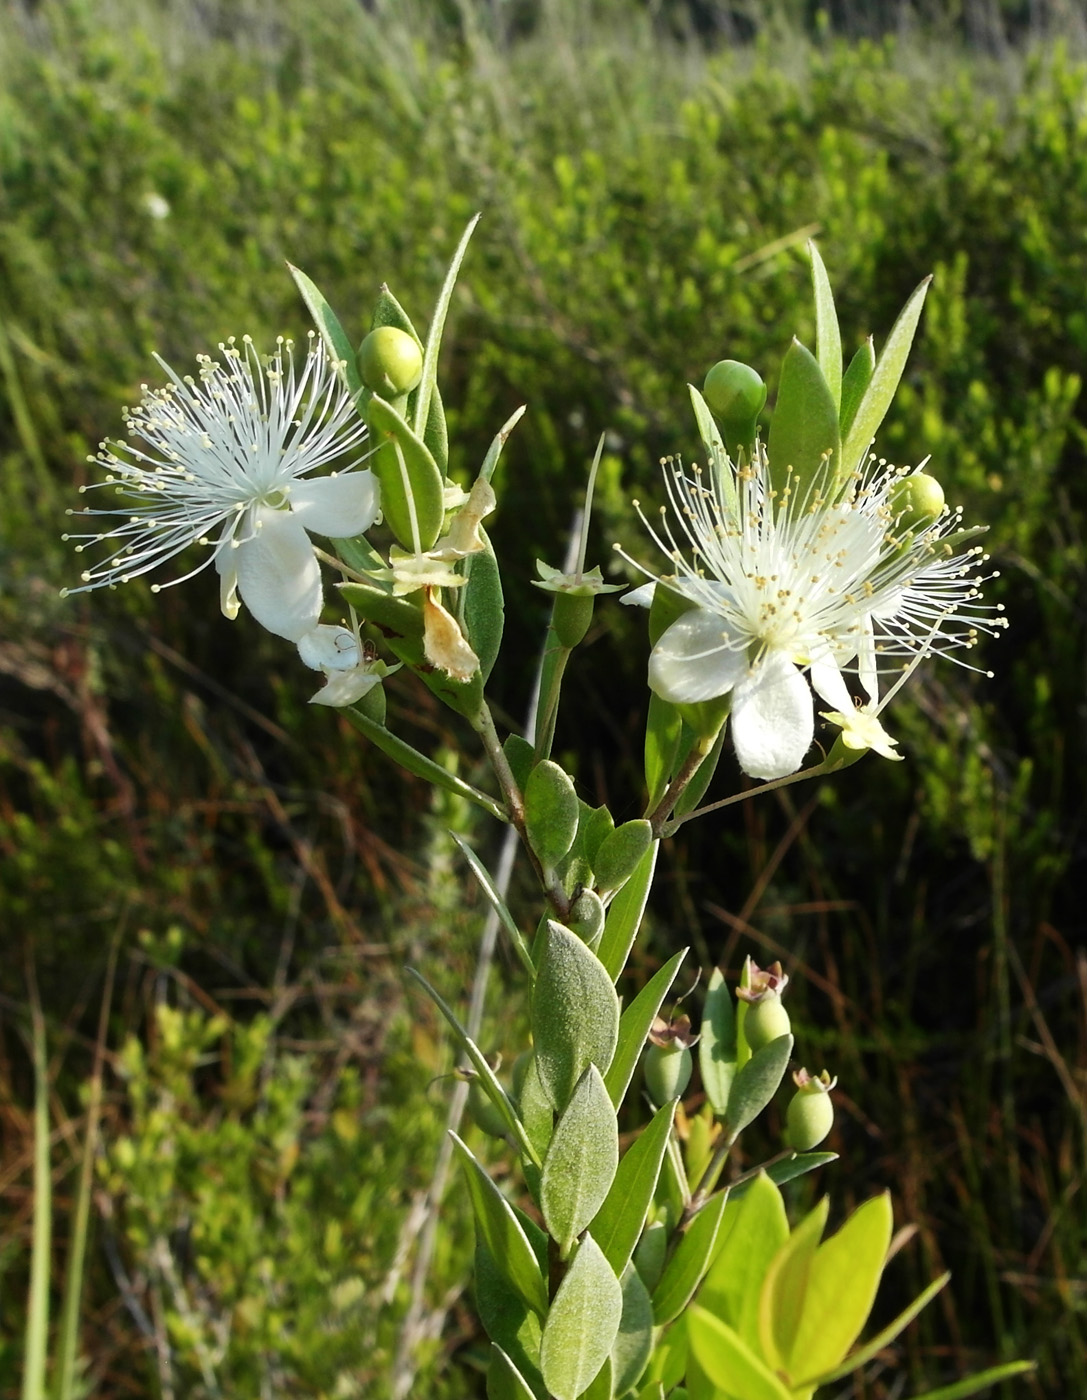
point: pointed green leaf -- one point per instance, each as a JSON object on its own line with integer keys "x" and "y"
{"x": 507, "y": 1318}
{"x": 884, "y": 382}
{"x": 412, "y": 488}
{"x": 717, "y": 1047}
{"x": 581, "y": 1161}
{"x": 687, "y": 1266}
{"x": 842, "y": 1284}
{"x": 481, "y": 606}
{"x": 753, "y": 1230}
{"x": 551, "y": 812}
{"x": 336, "y": 340}
{"x": 875, "y": 1345}
{"x": 634, "y": 1026}
{"x": 695, "y": 790}
{"x": 600, "y": 1387}
{"x": 653, "y": 1391}
{"x": 488, "y": 1081}
{"x": 497, "y": 903}
{"x": 536, "y": 1112}
{"x": 828, "y": 338}
{"x": 581, "y": 1324}
{"x": 803, "y": 445}
{"x": 785, "y": 1287}
{"x": 800, "y": 1165}
{"x": 415, "y": 762}
{"x": 729, "y": 1362}
{"x": 663, "y": 728}
{"x": 856, "y": 380}
{"x": 504, "y": 1380}
{"x": 501, "y": 1232}
{"x": 757, "y": 1083}
{"x": 625, "y": 915}
{"x": 575, "y": 1013}
{"x": 619, "y": 1221}
{"x": 634, "y": 1340}
{"x": 434, "y": 338}
{"x": 973, "y": 1385}
{"x": 389, "y": 312}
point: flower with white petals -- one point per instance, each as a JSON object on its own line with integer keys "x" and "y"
{"x": 227, "y": 460}
{"x": 351, "y": 670}
{"x": 780, "y": 583}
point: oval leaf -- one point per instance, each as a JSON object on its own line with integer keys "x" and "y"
{"x": 551, "y": 812}
{"x": 803, "y": 445}
{"x": 717, "y": 1048}
{"x": 729, "y": 1362}
{"x": 754, "y": 1229}
{"x": 580, "y": 1164}
{"x": 625, "y": 915}
{"x": 781, "y": 1299}
{"x": 757, "y": 1083}
{"x": 621, "y": 852}
{"x": 634, "y": 1341}
{"x": 582, "y": 1324}
{"x": 482, "y": 606}
{"x": 687, "y": 1266}
{"x": 412, "y": 490}
{"x": 575, "y": 1013}
{"x": 502, "y": 1233}
{"x": 618, "y": 1223}
{"x": 507, "y": 1319}
{"x": 504, "y": 1380}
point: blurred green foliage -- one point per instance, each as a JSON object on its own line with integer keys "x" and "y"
{"x": 645, "y": 207}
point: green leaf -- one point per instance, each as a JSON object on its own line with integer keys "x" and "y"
{"x": 754, "y": 1229}
{"x": 729, "y": 1361}
{"x": 595, "y": 824}
{"x": 487, "y": 1079}
{"x": 715, "y": 452}
{"x": 800, "y": 1165}
{"x": 663, "y": 728}
{"x": 653, "y": 1391}
{"x": 481, "y": 606}
{"x": 575, "y": 1013}
{"x": 498, "y": 904}
{"x": 581, "y": 1161}
{"x": 972, "y": 1385}
{"x": 621, "y": 852}
{"x": 331, "y": 332}
{"x": 388, "y": 312}
{"x": 551, "y": 812}
{"x": 619, "y": 1221}
{"x": 875, "y": 1345}
{"x": 757, "y": 1083}
{"x": 634, "y": 1026}
{"x": 781, "y": 1299}
{"x": 501, "y": 1232}
{"x": 841, "y": 1290}
{"x": 520, "y": 756}
{"x": 437, "y": 326}
{"x": 857, "y": 379}
{"x": 884, "y": 382}
{"x": 828, "y": 338}
{"x": 600, "y": 1387}
{"x": 625, "y": 915}
{"x": 415, "y": 762}
{"x": 717, "y": 1047}
{"x": 634, "y": 1341}
{"x": 412, "y": 488}
{"x": 507, "y": 1318}
{"x": 582, "y": 1323}
{"x": 687, "y": 1266}
{"x": 536, "y": 1112}
{"x": 504, "y": 1380}
{"x": 695, "y": 790}
{"x": 803, "y": 446}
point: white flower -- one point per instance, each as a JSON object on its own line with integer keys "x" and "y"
{"x": 351, "y": 670}
{"x": 228, "y": 462}
{"x": 780, "y": 584}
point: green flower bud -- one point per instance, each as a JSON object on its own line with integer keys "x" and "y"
{"x": 766, "y": 1019}
{"x": 810, "y": 1114}
{"x": 390, "y": 362}
{"x": 916, "y": 500}
{"x": 667, "y": 1072}
{"x": 736, "y": 395}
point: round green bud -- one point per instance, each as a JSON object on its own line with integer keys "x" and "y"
{"x": 484, "y": 1113}
{"x": 766, "y": 1020}
{"x": 667, "y": 1071}
{"x": 916, "y": 500}
{"x": 736, "y": 395}
{"x": 809, "y": 1117}
{"x": 390, "y": 362}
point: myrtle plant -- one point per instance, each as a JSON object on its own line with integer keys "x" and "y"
{"x": 785, "y": 579}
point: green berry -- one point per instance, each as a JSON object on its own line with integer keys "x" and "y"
{"x": 766, "y": 1020}
{"x": 390, "y": 362}
{"x": 809, "y": 1118}
{"x": 667, "y": 1071}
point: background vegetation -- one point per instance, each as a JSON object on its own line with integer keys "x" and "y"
{"x": 648, "y": 176}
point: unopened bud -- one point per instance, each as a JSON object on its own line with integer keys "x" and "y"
{"x": 390, "y": 362}
{"x": 735, "y": 394}
{"x": 916, "y": 500}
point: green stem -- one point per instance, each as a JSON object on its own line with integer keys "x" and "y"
{"x": 658, "y": 817}
{"x": 669, "y": 828}
{"x": 708, "y": 1179}
{"x": 555, "y": 668}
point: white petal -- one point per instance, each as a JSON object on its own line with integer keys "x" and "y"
{"x": 228, "y": 583}
{"x": 278, "y": 576}
{"x": 336, "y": 506}
{"x": 866, "y": 661}
{"x": 693, "y": 660}
{"x": 640, "y": 597}
{"x": 345, "y": 687}
{"x": 329, "y": 649}
{"x": 772, "y": 719}
{"x": 826, "y": 680}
